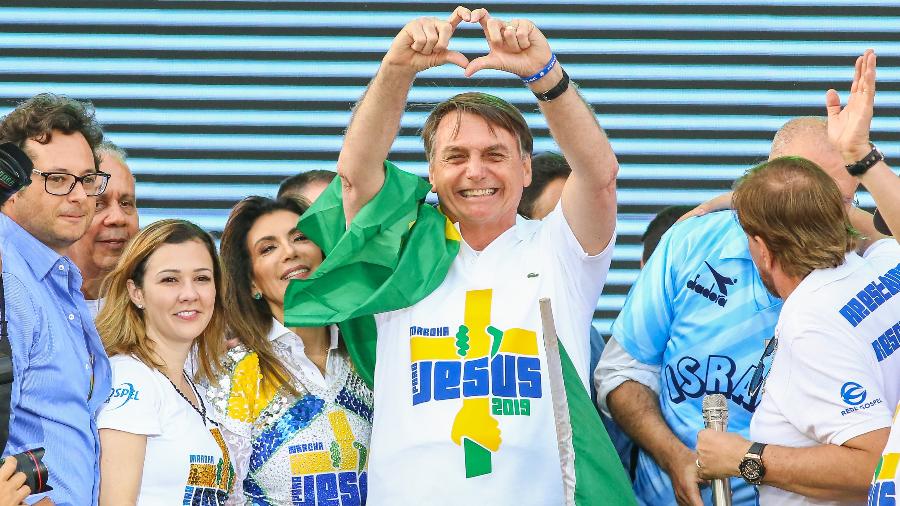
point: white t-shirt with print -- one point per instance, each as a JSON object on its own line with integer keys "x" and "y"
{"x": 834, "y": 373}
{"x": 184, "y": 457}
{"x": 463, "y": 405}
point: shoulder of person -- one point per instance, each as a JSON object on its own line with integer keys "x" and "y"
{"x": 884, "y": 250}
{"x": 127, "y": 368}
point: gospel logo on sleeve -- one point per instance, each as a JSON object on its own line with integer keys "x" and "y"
{"x": 854, "y": 395}
{"x": 710, "y": 292}
{"x": 495, "y": 373}
{"x": 124, "y": 392}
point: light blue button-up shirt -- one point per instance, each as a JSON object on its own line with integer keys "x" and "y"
{"x": 60, "y": 370}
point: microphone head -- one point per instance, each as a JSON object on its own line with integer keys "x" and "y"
{"x": 715, "y": 408}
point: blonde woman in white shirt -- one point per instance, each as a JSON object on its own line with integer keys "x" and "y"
{"x": 163, "y": 301}
{"x": 293, "y": 411}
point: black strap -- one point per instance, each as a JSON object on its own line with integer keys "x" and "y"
{"x": 555, "y": 91}
{"x": 756, "y": 449}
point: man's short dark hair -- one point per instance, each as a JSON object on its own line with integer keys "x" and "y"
{"x": 295, "y": 184}
{"x": 545, "y": 168}
{"x": 658, "y": 226}
{"x": 37, "y": 118}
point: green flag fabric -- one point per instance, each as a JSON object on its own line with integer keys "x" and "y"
{"x": 397, "y": 250}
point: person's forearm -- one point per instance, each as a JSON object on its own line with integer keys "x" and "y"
{"x": 635, "y": 408}
{"x": 884, "y": 186}
{"x": 372, "y": 130}
{"x": 829, "y": 472}
{"x": 589, "y": 196}
{"x": 574, "y": 127}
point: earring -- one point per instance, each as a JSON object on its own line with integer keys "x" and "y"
{"x": 140, "y": 306}
{"x": 257, "y": 296}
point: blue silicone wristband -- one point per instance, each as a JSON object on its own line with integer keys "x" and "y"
{"x": 541, "y": 73}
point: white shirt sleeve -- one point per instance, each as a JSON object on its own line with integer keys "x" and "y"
{"x": 136, "y": 400}
{"x": 832, "y": 392}
{"x": 579, "y": 279}
{"x": 615, "y": 367}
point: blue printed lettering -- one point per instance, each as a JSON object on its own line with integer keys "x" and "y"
{"x": 741, "y": 393}
{"x": 529, "y": 369}
{"x": 478, "y": 381}
{"x": 503, "y": 376}
{"x": 675, "y": 393}
{"x": 883, "y": 493}
{"x": 687, "y": 380}
{"x": 692, "y": 385}
{"x": 327, "y": 490}
{"x": 873, "y": 292}
{"x": 422, "y": 370}
{"x": 850, "y": 314}
{"x": 718, "y": 374}
{"x": 447, "y": 376}
{"x": 333, "y": 489}
{"x": 867, "y": 300}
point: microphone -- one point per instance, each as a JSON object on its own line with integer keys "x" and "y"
{"x": 715, "y": 417}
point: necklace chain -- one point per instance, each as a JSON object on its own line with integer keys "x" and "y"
{"x": 202, "y": 409}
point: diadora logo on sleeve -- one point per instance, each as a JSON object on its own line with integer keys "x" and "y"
{"x": 854, "y": 395}
{"x": 122, "y": 394}
{"x": 717, "y": 291}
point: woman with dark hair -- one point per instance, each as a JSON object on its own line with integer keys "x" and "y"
{"x": 163, "y": 304}
{"x": 294, "y": 413}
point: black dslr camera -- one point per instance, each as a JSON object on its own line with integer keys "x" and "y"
{"x": 15, "y": 170}
{"x": 15, "y": 173}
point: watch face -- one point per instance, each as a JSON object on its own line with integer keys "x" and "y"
{"x": 752, "y": 470}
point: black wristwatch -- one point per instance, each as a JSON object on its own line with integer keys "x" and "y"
{"x": 752, "y": 469}
{"x": 859, "y": 168}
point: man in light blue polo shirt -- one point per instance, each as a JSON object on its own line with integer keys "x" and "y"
{"x": 61, "y": 374}
{"x": 695, "y": 323}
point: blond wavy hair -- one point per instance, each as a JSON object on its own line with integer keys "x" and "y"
{"x": 121, "y": 324}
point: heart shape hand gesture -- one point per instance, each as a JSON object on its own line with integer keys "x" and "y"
{"x": 517, "y": 47}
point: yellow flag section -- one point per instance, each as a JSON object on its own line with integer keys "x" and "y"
{"x": 884, "y": 484}
{"x": 475, "y": 427}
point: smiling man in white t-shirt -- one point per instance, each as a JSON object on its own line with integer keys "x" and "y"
{"x": 464, "y": 412}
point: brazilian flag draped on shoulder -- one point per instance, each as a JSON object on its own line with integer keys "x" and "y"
{"x": 397, "y": 250}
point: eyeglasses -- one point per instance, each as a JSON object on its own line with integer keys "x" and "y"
{"x": 62, "y": 183}
{"x": 760, "y": 374}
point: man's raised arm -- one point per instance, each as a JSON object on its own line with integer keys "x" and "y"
{"x": 589, "y": 196}
{"x": 848, "y": 128}
{"x": 420, "y": 45}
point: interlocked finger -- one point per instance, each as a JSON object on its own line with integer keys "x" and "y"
{"x": 510, "y": 39}
{"x": 523, "y": 30}
{"x": 417, "y": 34}
{"x": 431, "y": 36}
{"x": 445, "y": 31}
{"x": 493, "y": 29}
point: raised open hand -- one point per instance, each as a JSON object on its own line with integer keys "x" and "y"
{"x": 848, "y": 128}
{"x": 422, "y": 43}
{"x": 517, "y": 47}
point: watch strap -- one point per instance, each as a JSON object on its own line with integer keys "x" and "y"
{"x": 555, "y": 91}
{"x": 859, "y": 168}
{"x": 756, "y": 449}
